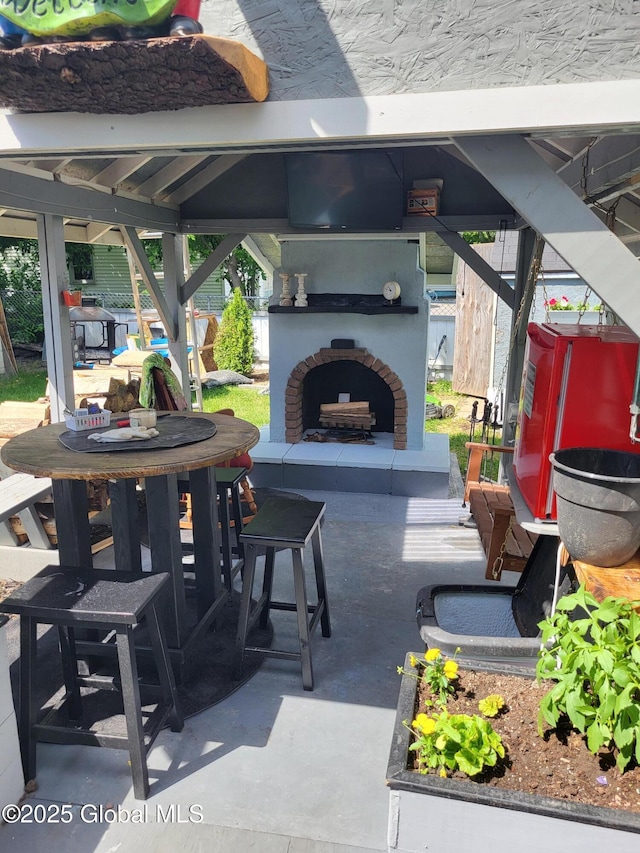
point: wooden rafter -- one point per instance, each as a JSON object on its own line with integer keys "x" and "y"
{"x": 132, "y": 242}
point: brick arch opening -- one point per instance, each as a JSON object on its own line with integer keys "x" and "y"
{"x": 294, "y": 391}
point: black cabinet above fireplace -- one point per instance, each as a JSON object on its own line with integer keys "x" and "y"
{"x": 346, "y": 303}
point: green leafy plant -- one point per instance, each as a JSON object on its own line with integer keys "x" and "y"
{"x": 595, "y": 662}
{"x": 451, "y": 742}
{"x": 491, "y": 705}
{"x": 234, "y": 345}
{"x": 438, "y": 672}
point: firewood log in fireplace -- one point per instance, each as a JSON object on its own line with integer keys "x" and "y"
{"x": 352, "y": 415}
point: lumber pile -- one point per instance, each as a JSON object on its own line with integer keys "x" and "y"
{"x": 17, "y": 416}
{"x": 350, "y": 415}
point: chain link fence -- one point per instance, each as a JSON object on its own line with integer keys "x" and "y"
{"x": 25, "y": 321}
{"x": 23, "y": 310}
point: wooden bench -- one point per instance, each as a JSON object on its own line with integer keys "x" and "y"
{"x": 506, "y": 544}
{"x": 18, "y": 494}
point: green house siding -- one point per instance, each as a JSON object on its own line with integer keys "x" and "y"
{"x": 111, "y": 274}
{"x": 110, "y": 270}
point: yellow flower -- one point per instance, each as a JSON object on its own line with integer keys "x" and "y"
{"x": 450, "y": 669}
{"x": 413, "y": 660}
{"x": 424, "y": 724}
{"x": 443, "y": 773}
{"x": 432, "y": 654}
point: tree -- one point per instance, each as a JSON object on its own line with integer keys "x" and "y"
{"x": 234, "y": 346}
{"x": 479, "y": 236}
{"x": 20, "y": 289}
{"x": 21, "y": 286}
{"x": 239, "y": 268}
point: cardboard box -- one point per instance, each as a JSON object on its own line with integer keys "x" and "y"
{"x": 423, "y": 202}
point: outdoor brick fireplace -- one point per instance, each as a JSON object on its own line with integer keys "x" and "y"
{"x": 387, "y": 394}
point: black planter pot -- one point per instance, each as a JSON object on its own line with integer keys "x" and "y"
{"x": 448, "y": 816}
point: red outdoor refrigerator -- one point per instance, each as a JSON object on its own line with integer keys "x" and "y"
{"x": 577, "y": 386}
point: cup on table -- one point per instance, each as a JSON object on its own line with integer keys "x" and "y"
{"x": 142, "y": 417}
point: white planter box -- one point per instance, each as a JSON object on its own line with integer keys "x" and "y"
{"x": 589, "y": 318}
{"x": 11, "y": 778}
{"x": 427, "y": 813}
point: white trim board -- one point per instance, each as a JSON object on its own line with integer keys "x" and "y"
{"x": 539, "y": 110}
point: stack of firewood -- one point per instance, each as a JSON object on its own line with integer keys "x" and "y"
{"x": 349, "y": 415}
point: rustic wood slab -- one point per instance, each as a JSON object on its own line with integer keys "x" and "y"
{"x": 620, "y": 582}
{"x": 130, "y": 77}
{"x": 40, "y": 452}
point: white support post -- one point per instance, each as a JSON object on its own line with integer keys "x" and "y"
{"x": 561, "y": 218}
{"x": 173, "y": 264}
{"x": 57, "y": 334}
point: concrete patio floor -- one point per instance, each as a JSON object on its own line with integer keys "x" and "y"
{"x": 273, "y": 768}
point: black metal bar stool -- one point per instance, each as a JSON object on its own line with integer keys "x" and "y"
{"x": 228, "y": 487}
{"x": 230, "y": 515}
{"x": 116, "y": 601}
{"x": 283, "y": 524}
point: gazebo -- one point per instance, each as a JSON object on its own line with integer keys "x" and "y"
{"x": 524, "y": 129}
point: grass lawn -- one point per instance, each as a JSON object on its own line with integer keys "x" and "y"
{"x": 458, "y": 428}
{"x": 26, "y": 386}
{"x": 247, "y": 403}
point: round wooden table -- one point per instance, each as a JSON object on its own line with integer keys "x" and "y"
{"x": 39, "y": 452}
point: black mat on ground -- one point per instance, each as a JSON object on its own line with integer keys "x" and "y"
{"x": 206, "y": 675}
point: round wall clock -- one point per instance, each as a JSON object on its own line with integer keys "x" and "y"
{"x": 391, "y": 291}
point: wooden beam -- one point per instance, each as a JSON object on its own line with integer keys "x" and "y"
{"x": 586, "y": 108}
{"x": 561, "y": 218}
{"x": 221, "y": 165}
{"x": 258, "y": 256}
{"x": 95, "y": 230}
{"x": 410, "y": 225}
{"x": 132, "y": 242}
{"x": 58, "y": 198}
{"x": 55, "y": 278}
{"x": 13, "y": 226}
{"x": 115, "y": 173}
{"x": 136, "y": 297}
{"x": 173, "y": 265}
{"x": 169, "y": 174}
{"x": 210, "y": 264}
{"x": 628, "y": 213}
{"x": 606, "y": 163}
{"x": 478, "y": 264}
{"x": 55, "y": 165}
{"x": 528, "y": 260}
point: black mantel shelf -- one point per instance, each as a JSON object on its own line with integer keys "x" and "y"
{"x": 346, "y": 303}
